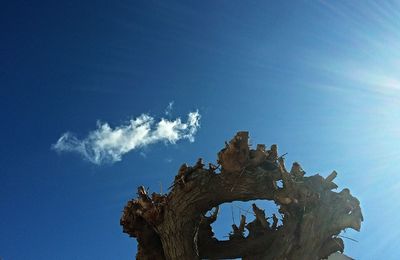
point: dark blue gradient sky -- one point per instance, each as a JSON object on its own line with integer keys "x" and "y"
{"x": 319, "y": 78}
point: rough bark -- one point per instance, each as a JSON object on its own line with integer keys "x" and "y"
{"x": 173, "y": 225}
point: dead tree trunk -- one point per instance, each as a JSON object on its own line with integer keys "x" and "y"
{"x": 174, "y": 225}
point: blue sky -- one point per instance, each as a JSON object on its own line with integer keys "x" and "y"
{"x": 319, "y": 78}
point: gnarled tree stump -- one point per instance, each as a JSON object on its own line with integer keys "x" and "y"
{"x": 174, "y": 225}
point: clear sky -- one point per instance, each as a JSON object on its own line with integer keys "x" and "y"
{"x": 319, "y": 78}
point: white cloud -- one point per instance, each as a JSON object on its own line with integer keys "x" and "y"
{"x": 107, "y": 144}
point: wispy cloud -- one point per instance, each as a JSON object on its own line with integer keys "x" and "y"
{"x": 168, "y": 110}
{"x": 108, "y": 145}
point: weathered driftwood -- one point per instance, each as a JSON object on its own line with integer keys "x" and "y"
{"x": 174, "y": 225}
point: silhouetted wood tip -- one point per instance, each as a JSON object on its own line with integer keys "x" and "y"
{"x": 175, "y": 225}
